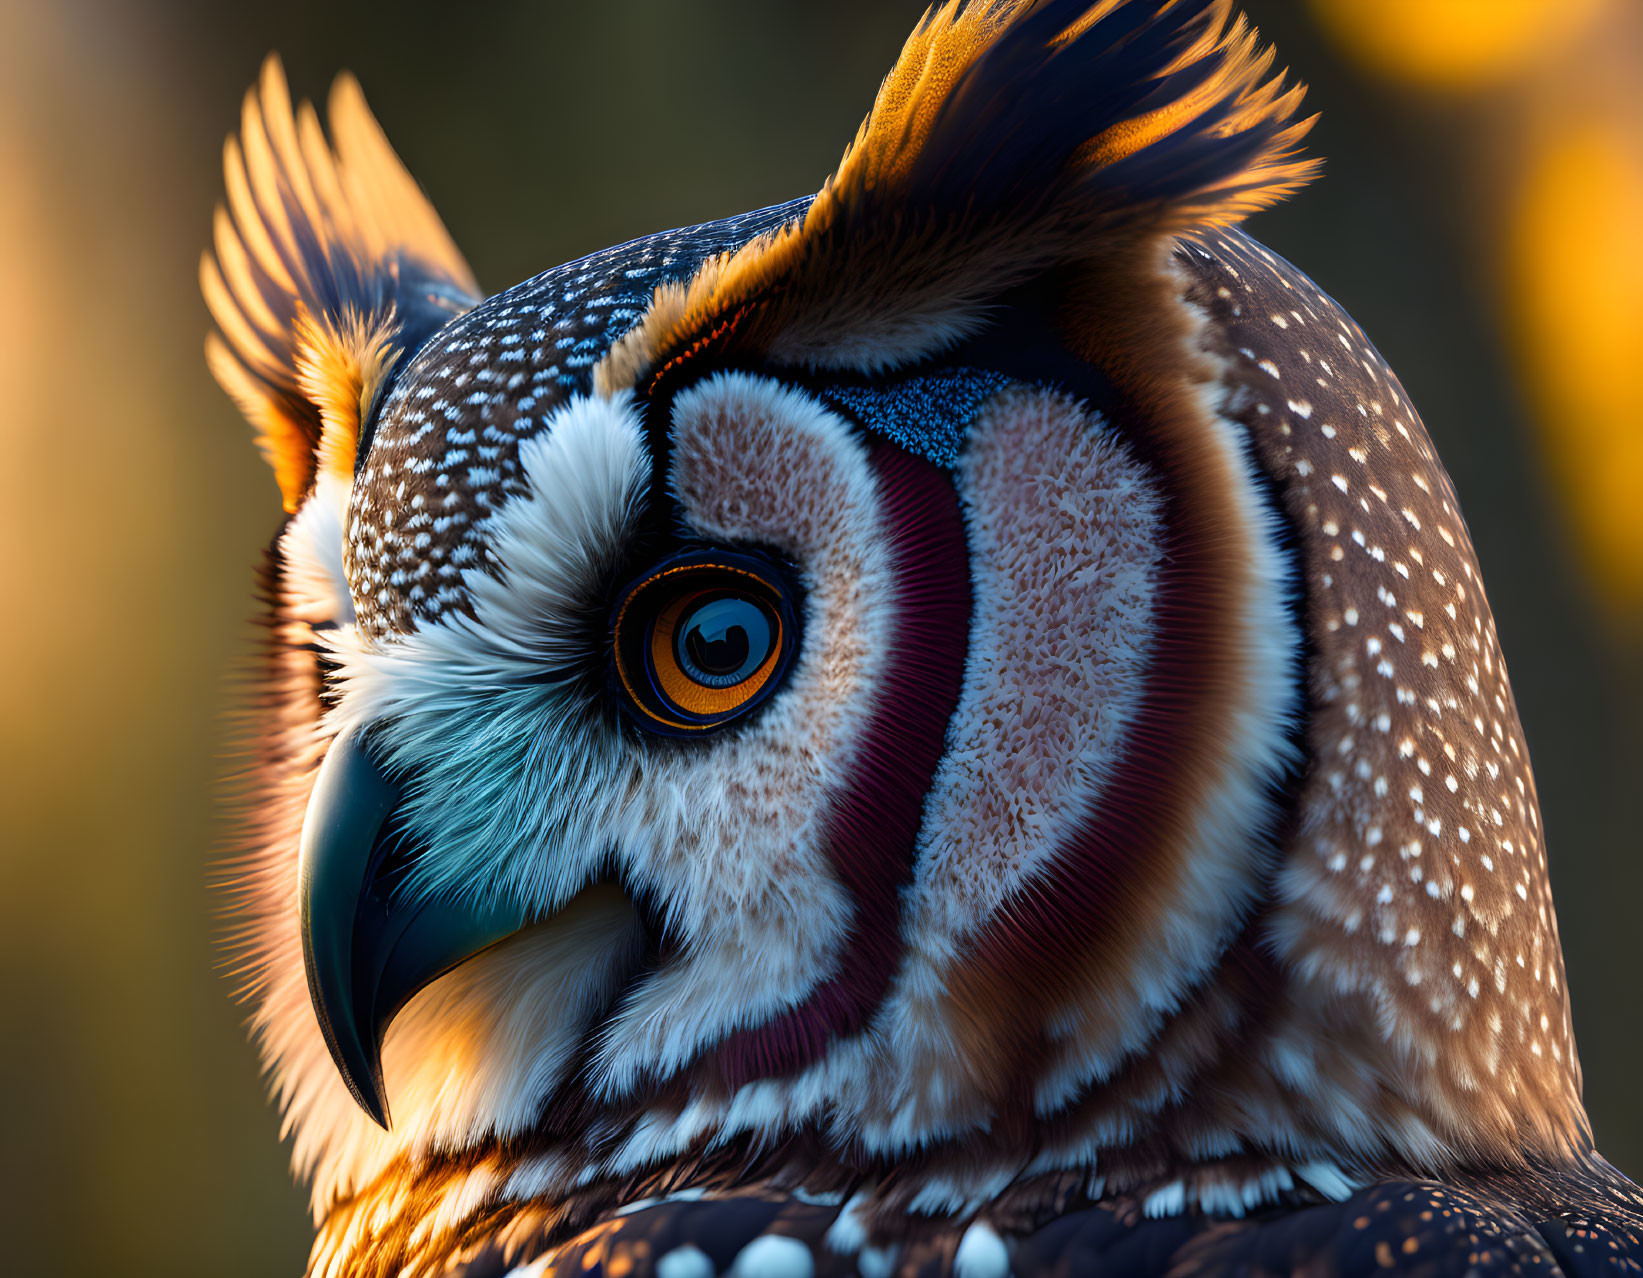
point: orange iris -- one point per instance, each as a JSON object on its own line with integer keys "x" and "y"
{"x": 696, "y": 643}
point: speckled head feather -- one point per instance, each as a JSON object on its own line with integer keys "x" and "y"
{"x": 1417, "y": 880}
{"x": 445, "y": 451}
{"x": 950, "y": 726}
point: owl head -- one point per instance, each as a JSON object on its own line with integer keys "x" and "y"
{"x": 969, "y": 683}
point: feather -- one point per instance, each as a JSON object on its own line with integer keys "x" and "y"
{"x": 328, "y": 266}
{"x": 1009, "y": 137}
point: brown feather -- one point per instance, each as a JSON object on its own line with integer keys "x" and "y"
{"x": 1008, "y": 138}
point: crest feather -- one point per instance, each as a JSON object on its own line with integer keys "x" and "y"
{"x": 328, "y": 265}
{"x": 1009, "y": 136}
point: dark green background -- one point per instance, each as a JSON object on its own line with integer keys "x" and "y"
{"x": 135, "y": 1136}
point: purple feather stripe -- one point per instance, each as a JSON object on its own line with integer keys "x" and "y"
{"x": 873, "y": 828}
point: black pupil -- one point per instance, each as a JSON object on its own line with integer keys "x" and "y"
{"x": 724, "y": 641}
{"x": 721, "y": 655}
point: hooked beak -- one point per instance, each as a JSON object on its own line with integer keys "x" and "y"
{"x": 367, "y": 948}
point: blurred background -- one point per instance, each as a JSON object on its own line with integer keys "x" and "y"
{"x": 1481, "y": 215}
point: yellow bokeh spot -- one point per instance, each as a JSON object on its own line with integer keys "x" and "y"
{"x": 1457, "y": 44}
{"x": 1575, "y": 280}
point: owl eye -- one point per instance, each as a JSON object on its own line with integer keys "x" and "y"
{"x": 700, "y": 640}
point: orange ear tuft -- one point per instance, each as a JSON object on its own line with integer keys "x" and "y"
{"x": 1011, "y": 136}
{"x": 329, "y": 265}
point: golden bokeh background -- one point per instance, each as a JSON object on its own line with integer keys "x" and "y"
{"x": 1480, "y": 215}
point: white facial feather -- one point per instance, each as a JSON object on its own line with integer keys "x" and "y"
{"x": 478, "y": 687}
{"x": 316, "y": 588}
{"x": 745, "y": 876}
{"x": 481, "y": 707}
{"x": 520, "y": 789}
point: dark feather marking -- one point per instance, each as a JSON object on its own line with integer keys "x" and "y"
{"x": 1115, "y": 70}
{"x": 718, "y": 1227}
{"x": 872, "y": 829}
{"x": 1416, "y": 1228}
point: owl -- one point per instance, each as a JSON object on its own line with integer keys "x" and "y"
{"x": 949, "y": 726}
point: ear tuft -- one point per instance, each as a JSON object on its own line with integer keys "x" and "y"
{"x": 1010, "y": 136}
{"x": 1068, "y": 112}
{"x": 329, "y": 265}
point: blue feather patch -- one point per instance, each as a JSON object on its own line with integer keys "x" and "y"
{"x": 928, "y": 416}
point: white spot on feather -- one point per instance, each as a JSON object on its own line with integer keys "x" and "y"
{"x": 773, "y": 1256}
{"x": 981, "y": 1253}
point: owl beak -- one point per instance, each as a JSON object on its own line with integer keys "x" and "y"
{"x": 368, "y": 949}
